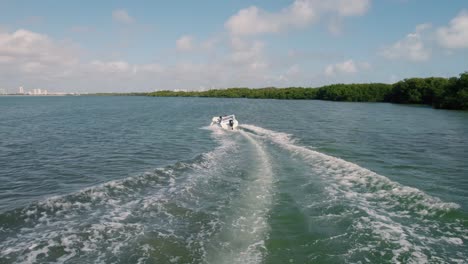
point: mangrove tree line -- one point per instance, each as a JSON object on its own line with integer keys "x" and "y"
{"x": 446, "y": 93}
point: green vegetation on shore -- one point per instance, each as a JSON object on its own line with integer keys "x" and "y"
{"x": 451, "y": 93}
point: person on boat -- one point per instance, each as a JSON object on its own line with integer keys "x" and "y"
{"x": 231, "y": 123}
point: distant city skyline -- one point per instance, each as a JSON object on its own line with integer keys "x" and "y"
{"x": 126, "y": 46}
{"x": 22, "y": 90}
{"x": 33, "y": 91}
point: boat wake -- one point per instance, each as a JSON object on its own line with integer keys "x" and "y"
{"x": 386, "y": 220}
{"x": 257, "y": 197}
{"x": 148, "y": 215}
{"x": 243, "y": 233}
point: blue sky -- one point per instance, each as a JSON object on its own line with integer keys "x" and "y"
{"x": 121, "y": 46}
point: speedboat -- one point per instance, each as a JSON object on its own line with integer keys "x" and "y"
{"x": 226, "y": 122}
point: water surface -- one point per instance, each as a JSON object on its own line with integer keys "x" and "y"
{"x": 144, "y": 180}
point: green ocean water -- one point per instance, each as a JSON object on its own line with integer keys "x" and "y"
{"x": 146, "y": 180}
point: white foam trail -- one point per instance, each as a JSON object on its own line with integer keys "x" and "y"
{"x": 350, "y": 175}
{"x": 385, "y": 202}
{"x": 246, "y": 232}
{"x": 94, "y": 219}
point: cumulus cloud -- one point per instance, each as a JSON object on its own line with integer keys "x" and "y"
{"x": 121, "y": 16}
{"x": 252, "y": 20}
{"x": 39, "y": 61}
{"x": 245, "y": 51}
{"x": 343, "y": 67}
{"x": 211, "y": 43}
{"x": 111, "y": 66}
{"x": 150, "y": 68}
{"x": 293, "y": 70}
{"x": 23, "y": 46}
{"x": 415, "y": 46}
{"x": 28, "y": 57}
{"x": 244, "y": 64}
{"x": 456, "y": 34}
{"x": 188, "y": 43}
{"x": 411, "y": 48}
{"x": 184, "y": 43}
{"x": 36, "y": 60}
{"x": 346, "y": 67}
{"x": 347, "y": 7}
{"x": 247, "y": 55}
{"x": 291, "y": 73}
{"x": 335, "y": 26}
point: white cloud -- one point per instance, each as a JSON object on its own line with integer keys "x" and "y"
{"x": 27, "y": 57}
{"x": 456, "y": 34}
{"x": 347, "y": 67}
{"x": 35, "y": 60}
{"x": 190, "y": 43}
{"x": 111, "y": 66}
{"x": 38, "y": 61}
{"x": 150, "y": 68}
{"x": 244, "y": 51}
{"x": 184, "y": 43}
{"x": 248, "y": 56}
{"x": 210, "y": 44}
{"x": 348, "y": 7}
{"x": 364, "y": 65}
{"x": 32, "y": 67}
{"x": 244, "y": 64}
{"x": 290, "y": 75}
{"x": 23, "y": 46}
{"x": 339, "y": 68}
{"x": 293, "y": 70}
{"x": 101, "y": 69}
{"x": 121, "y": 16}
{"x": 414, "y": 46}
{"x": 252, "y": 20}
{"x": 411, "y": 48}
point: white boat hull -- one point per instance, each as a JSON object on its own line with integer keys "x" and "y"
{"x": 228, "y": 122}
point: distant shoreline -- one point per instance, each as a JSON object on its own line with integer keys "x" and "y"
{"x": 440, "y": 93}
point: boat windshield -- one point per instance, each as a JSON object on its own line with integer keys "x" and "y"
{"x": 229, "y": 117}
